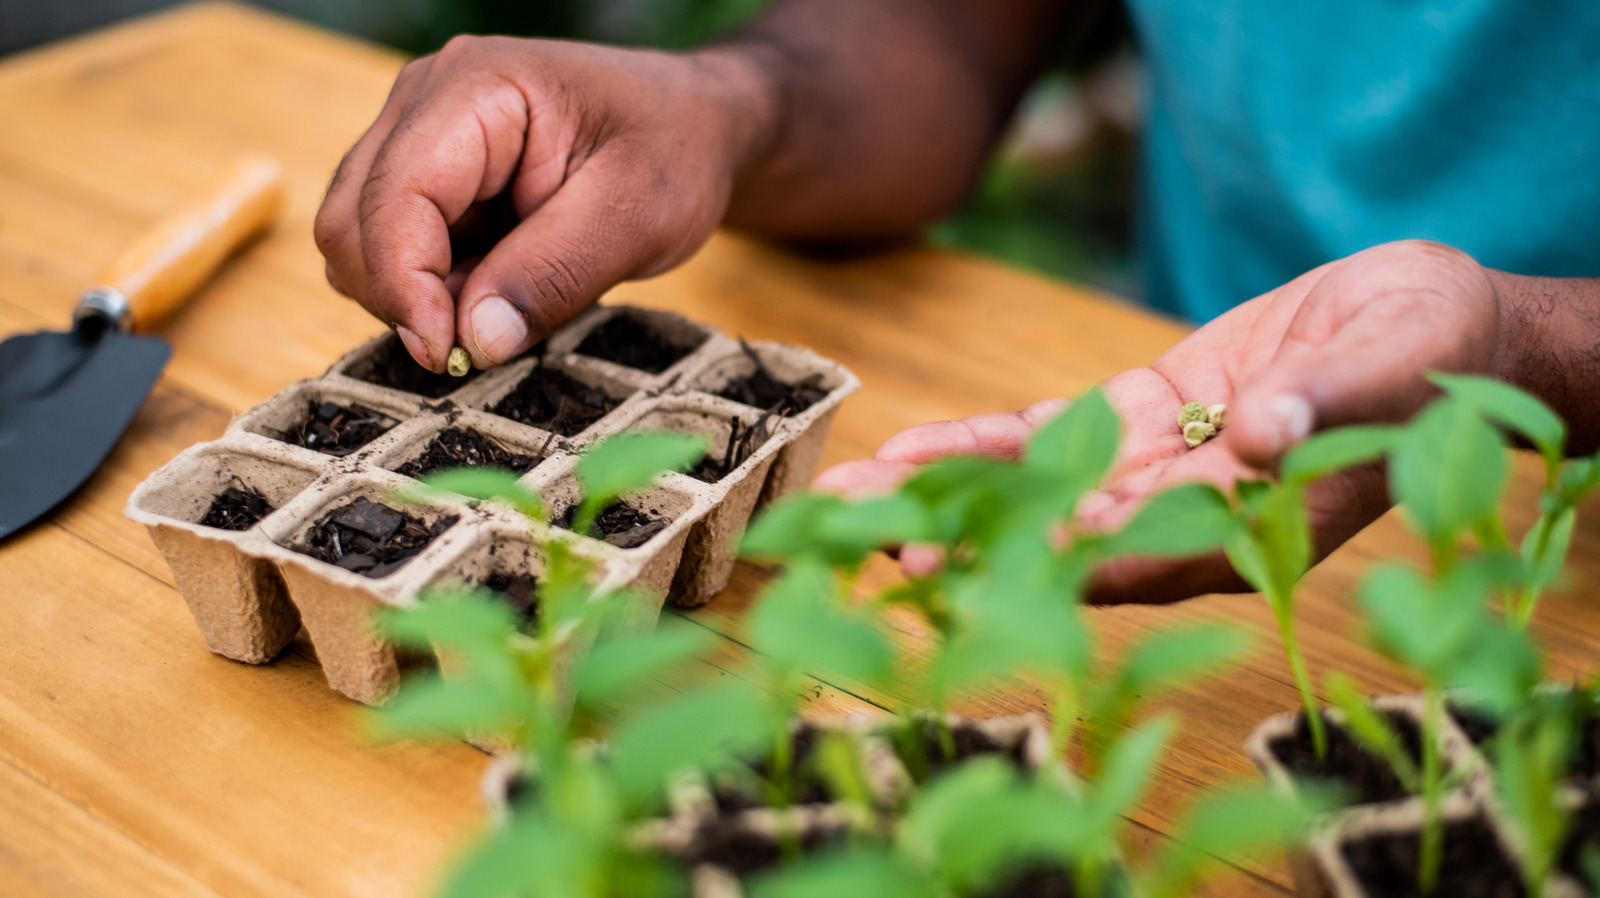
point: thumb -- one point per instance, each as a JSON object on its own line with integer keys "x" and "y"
{"x": 1371, "y": 366}
{"x": 548, "y": 268}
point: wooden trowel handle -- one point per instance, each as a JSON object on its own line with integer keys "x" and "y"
{"x": 167, "y": 265}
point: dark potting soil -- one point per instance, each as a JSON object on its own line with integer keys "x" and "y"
{"x": 518, "y": 591}
{"x": 236, "y": 508}
{"x": 1583, "y": 836}
{"x": 806, "y": 786}
{"x": 370, "y": 538}
{"x": 392, "y": 366}
{"x": 337, "y": 430}
{"x": 625, "y": 340}
{"x": 554, "y": 401}
{"x": 922, "y": 751}
{"x": 1473, "y": 866}
{"x": 1367, "y": 778}
{"x": 1036, "y": 882}
{"x": 620, "y": 524}
{"x": 458, "y": 448}
{"x": 1585, "y": 757}
{"x": 765, "y": 390}
{"x": 742, "y": 442}
{"x": 724, "y": 842}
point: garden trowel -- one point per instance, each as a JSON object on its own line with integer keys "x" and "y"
{"x": 65, "y": 397}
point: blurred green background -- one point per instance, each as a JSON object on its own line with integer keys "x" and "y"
{"x": 1056, "y": 197}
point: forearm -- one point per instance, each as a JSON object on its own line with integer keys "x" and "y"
{"x": 875, "y": 115}
{"x": 1550, "y": 347}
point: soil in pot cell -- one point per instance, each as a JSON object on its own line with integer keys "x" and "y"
{"x": 752, "y": 786}
{"x": 237, "y": 508}
{"x": 1584, "y": 759}
{"x": 1366, "y": 778}
{"x": 337, "y": 430}
{"x": 743, "y": 441}
{"x": 556, "y": 402}
{"x": 630, "y": 341}
{"x": 765, "y": 390}
{"x": 728, "y": 843}
{"x": 1045, "y": 880}
{"x": 457, "y": 447}
{"x": 520, "y": 591}
{"x": 623, "y": 524}
{"x": 1474, "y": 865}
{"x": 391, "y": 365}
{"x": 370, "y": 538}
{"x": 924, "y": 753}
{"x": 1583, "y": 837}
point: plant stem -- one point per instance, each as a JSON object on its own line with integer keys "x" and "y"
{"x": 1063, "y": 722}
{"x": 1432, "y": 785}
{"x": 1302, "y": 679}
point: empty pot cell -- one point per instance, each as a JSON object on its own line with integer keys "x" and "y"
{"x": 733, "y": 438}
{"x": 1474, "y": 861}
{"x": 238, "y": 601}
{"x": 370, "y": 538}
{"x": 554, "y": 400}
{"x": 782, "y": 379}
{"x": 1367, "y": 778}
{"x": 753, "y": 380}
{"x": 226, "y": 490}
{"x": 504, "y": 562}
{"x": 636, "y": 339}
{"x": 325, "y": 423}
{"x": 465, "y": 447}
{"x": 627, "y": 523}
{"x": 389, "y": 364}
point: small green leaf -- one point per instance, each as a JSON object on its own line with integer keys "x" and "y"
{"x": 619, "y": 665}
{"x": 1184, "y": 520}
{"x": 1544, "y": 548}
{"x": 428, "y": 705}
{"x": 1171, "y": 658}
{"x": 1332, "y": 451}
{"x": 853, "y": 871}
{"x": 630, "y": 461}
{"x": 1510, "y": 407}
{"x": 1081, "y": 442}
{"x": 1448, "y": 469}
{"x": 1126, "y": 771}
{"x": 697, "y": 729}
{"x": 786, "y": 528}
{"x": 796, "y": 626}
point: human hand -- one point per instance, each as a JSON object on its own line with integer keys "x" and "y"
{"x": 574, "y": 166}
{"x": 1349, "y": 342}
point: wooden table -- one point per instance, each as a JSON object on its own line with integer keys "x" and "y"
{"x": 132, "y": 761}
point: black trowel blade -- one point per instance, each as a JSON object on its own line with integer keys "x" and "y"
{"x": 65, "y": 398}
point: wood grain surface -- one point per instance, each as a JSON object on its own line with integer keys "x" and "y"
{"x": 132, "y": 761}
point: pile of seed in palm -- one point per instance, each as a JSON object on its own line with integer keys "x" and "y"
{"x": 555, "y": 401}
{"x": 370, "y": 538}
{"x": 765, "y": 390}
{"x": 458, "y": 448}
{"x": 236, "y": 508}
{"x": 337, "y": 430}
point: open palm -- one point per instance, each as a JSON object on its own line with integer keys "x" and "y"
{"x": 1348, "y": 342}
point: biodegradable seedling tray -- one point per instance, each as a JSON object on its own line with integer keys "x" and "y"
{"x": 321, "y": 444}
{"x": 1327, "y": 866}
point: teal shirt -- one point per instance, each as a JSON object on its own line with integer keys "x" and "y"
{"x": 1283, "y": 134}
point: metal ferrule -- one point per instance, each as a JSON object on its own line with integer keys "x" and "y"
{"x": 107, "y": 303}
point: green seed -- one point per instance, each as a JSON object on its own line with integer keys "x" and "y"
{"x": 1194, "y": 411}
{"x": 1197, "y": 432}
{"x": 460, "y": 363}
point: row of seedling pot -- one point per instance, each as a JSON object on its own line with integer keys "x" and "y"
{"x": 717, "y": 787}
{"x": 1482, "y": 783}
{"x": 295, "y": 516}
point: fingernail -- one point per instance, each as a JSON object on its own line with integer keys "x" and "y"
{"x": 415, "y": 346}
{"x": 498, "y": 328}
{"x": 1290, "y": 419}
